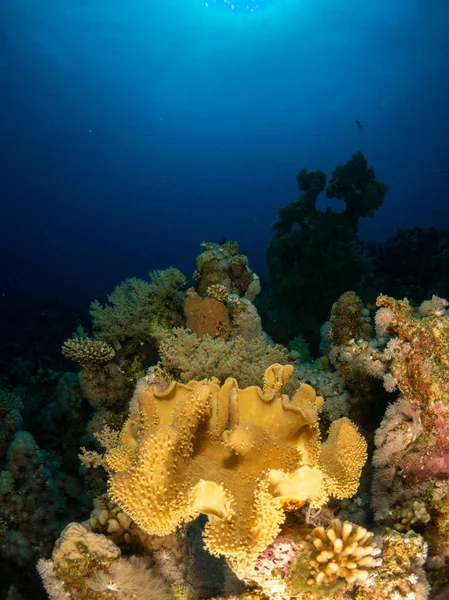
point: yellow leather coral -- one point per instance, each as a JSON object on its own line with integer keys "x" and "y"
{"x": 242, "y": 457}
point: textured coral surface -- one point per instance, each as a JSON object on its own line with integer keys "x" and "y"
{"x": 239, "y": 456}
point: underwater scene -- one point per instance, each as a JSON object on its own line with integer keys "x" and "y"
{"x": 224, "y": 300}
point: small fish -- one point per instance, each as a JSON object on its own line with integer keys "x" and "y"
{"x": 359, "y": 124}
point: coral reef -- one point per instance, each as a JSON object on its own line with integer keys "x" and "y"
{"x": 40, "y": 486}
{"x": 356, "y": 184}
{"x": 417, "y": 426}
{"x": 223, "y": 265}
{"x": 345, "y": 322}
{"x": 221, "y": 305}
{"x": 355, "y": 353}
{"x": 11, "y": 406}
{"x": 289, "y": 568}
{"x": 85, "y": 565}
{"x": 300, "y": 347}
{"x": 256, "y": 452}
{"x": 106, "y": 387}
{"x": 126, "y": 333}
{"x": 232, "y": 464}
{"x": 411, "y": 457}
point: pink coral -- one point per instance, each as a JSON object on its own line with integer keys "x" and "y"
{"x": 430, "y": 456}
{"x": 279, "y": 555}
{"x": 412, "y": 443}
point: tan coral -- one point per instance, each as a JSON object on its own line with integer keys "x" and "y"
{"x": 77, "y": 547}
{"x": 107, "y": 519}
{"x": 218, "y": 291}
{"x": 206, "y": 316}
{"x": 88, "y": 565}
{"x": 242, "y": 457}
{"x": 344, "y": 550}
{"x": 342, "y": 457}
{"x": 246, "y": 321}
{"x": 412, "y": 514}
{"x": 88, "y": 352}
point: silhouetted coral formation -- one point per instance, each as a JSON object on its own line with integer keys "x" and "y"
{"x": 315, "y": 255}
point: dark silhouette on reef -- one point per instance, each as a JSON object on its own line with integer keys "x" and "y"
{"x": 314, "y": 255}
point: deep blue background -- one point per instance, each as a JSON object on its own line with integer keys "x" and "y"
{"x": 133, "y": 131}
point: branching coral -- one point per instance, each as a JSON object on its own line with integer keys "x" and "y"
{"x": 88, "y": 352}
{"x": 240, "y": 456}
{"x": 343, "y": 550}
{"x": 289, "y": 568}
{"x": 107, "y": 438}
{"x": 218, "y": 291}
{"x": 412, "y": 516}
{"x": 108, "y": 519}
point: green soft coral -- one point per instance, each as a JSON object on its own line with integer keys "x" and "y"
{"x": 136, "y": 308}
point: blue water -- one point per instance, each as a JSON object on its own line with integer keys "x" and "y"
{"x": 133, "y": 131}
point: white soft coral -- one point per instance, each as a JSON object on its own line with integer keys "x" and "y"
{"x": 130, "y": 579}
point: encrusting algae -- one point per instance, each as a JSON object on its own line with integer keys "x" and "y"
{"x": 241, "y": 457}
